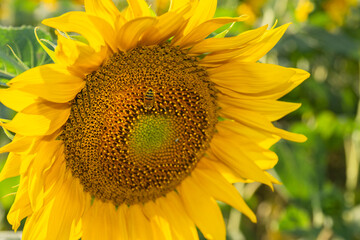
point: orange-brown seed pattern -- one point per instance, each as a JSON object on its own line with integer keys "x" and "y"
{"x": 125, "y": 152}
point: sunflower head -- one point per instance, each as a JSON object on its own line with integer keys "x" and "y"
{"x": 142, "y": 122}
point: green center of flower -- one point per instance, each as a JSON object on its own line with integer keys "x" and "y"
{"x": 140, "y": 125}
{"x": 151, "y": 133}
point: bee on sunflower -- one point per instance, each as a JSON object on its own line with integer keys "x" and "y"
{"x": 100, "y": 156}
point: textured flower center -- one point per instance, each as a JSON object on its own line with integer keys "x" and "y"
{"x": 140, "y": 125}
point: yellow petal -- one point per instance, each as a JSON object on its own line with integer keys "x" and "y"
{"x": 204, "y": 11}
{"x": 228, "y": 173}
{"x": 215, "y": 185}
{"x": 138, "y": 8}
{"x": 249, "y": 149}
{"x": 182, "y": 226}
{"x": 137, "y": 220}
{"x": 43, "y": 160}
{"x": 105, "y": 9}
{"x": 81, "y": 58}
{"x": 159, "y": 224}
{"x": 167, "y": 26}
{"x": 59, "y": 214}
{"x": 101, "y": 221}
{"x": 19, "y": 144}
{"x": 271, "y": 109}
{"x": 47, "y": 118}
{"x": 252, "y": 78}
{"x": 203, "y": 209}
{"x": 16, "y": 99}
{"x": 82, "y": 23}
{"x": 55, "y": 175}
{"x": 251, "y": 52}
{"x": 131, "y": 32}
{"x": 219, "y": 44}
{"x": 76, "y": 231}
{"x": 52, "y": 82}
{"x": 11, "y": 167}
{"x": 255, "y": 120}
{"x": 178, "y": 4}
{"x": 263, "y": 139}
{"x": 203, "y": 30}
{"x": 285, "y": 87}
{"x": 21, "y": 207}
{"x": 268, "y": 41}
{"x": 229, "y": 153}
{"x": 123, "y": 233}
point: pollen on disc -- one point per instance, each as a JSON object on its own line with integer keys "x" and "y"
{"x": 140, "y": 125}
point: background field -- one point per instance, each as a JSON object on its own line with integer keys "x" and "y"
{"x": 320, "y": 195}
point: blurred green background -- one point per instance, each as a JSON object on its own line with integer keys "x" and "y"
{"x": 320, "y": 195}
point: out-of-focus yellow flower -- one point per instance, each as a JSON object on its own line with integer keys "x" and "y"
{"x": 303, "y": 9}
{"x": 338, "y": 10}
{"x": 4, "y": 9}
{"x": 51, "y": 5}
{"x": 246, "y": 9}
{"x": 252, "y": 9}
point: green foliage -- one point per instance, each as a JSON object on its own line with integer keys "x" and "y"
{"x": 19, "y": 51}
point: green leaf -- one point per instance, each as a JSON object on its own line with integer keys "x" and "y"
{"x": 19, "y": 51}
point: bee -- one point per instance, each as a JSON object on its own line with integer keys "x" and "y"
{"x": 149, "y": 99}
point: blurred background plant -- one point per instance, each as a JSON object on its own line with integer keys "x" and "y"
{"x": 320, "y": 196}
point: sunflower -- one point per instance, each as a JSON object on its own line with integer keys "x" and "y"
{"x": 303, "y": 9}
{"x": 338, "y": 10}
{"x": 142, "y": 123}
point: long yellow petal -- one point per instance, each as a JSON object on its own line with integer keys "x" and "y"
{"x": 46, "y": 120}
{"x": 55, "y": 220}
{"x": 255, "y": 120}
{"x": 43, "y": 160}
{"x": 19, "y": 144}
{"x": 227, "y": 172}
{"x": 204, "y": 11}
{"x": 79, "y": 57}
{"x": 16, "y": 99}
{"x": 105, "y": 9}
{"x": 136, "y": 220}
{"x": 215, "y": 185}
{"x": 252, "y": 78}
{"x": 268, "y": 41}
{"x": 76, "y": 231}
{"x": 229, "y": 153}
{"x": 249, "y": 149}
{"x": 285, "y": 87}
{"x": 123, "y": 235}
{"x": 52, "y": 82}
{"x": 262, "y": 138}
{"x": 182, "y": 226}
{"x": 101, "y": 221}
{"x": 219, "y": 44}
{"x": 138, "y": 8}
{"x": 21, "y": 207}
{"x": 132, "y": 31}
{"x": 271, "y": 109}
{"x": 159, "y": 224}
{"x": 203, "y": 30}
{"x": 203, "y": 209}
{"x": 11, "y": 167}
{"x": 178, "y": 4}
{"x": 168, "y": 25}
{"x": 82, "y": 23}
